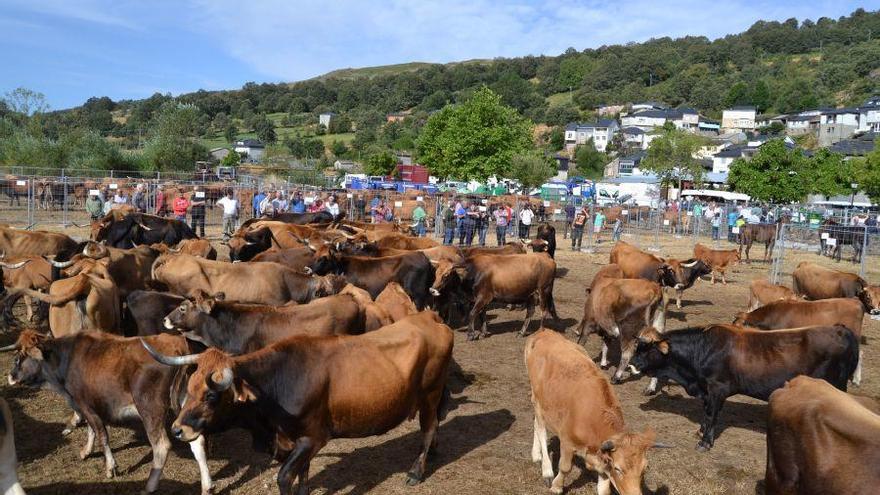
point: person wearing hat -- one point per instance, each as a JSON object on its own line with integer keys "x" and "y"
{"x": 94, "y": 206}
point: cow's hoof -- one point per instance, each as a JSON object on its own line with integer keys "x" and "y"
{"x": 703, "y": 447}
{"x": 67, "y": 431}
{"x": 548, "y": 481}
{"x": 604, "y": 366}
{"x": 615, "y": 380}
{"x": 649, "y": 392}
{"x": 413, "y": 479}
{"x": 111, "y": 473}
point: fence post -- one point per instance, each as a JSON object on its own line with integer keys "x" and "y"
{"x": 657, "y": 221}
{"x": 864, "y": 252}
{"x": 590, "y": 249}
{"x": 779, "y": 254}
{"x": 31, "y": 203}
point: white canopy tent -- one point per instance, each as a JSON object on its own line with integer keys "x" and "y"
{"x": 711, "y": 193}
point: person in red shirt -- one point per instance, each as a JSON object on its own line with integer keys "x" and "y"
{"x": 181, "y": 204}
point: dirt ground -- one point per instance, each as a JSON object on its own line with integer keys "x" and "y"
{"x": 485, "y": 441}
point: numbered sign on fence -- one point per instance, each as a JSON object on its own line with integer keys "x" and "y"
{"x": 485, "y": 201}
{"x": 93, "y": 192}
{"x": 20, "y": 183}
{"x": 825, "y": 235}
{"x": 666, "y": 222}
{"x": 690, "y": 213}
{"x": 557, "y": 211}
{"x": 624, "y": 212}
{"x": 200, "y": 194}
{"x": 546, "y": 204}
{"x": 349, "y": 195}
{"x": 831, "y": 241}
{"x": 420, "y": 198}
{"x": 114, "y": 186}
{"x": 309, "y": 200}
{"x": 483, "y": 208}
{"x": 398, "y": 204}
{"x": 734, "y": 230}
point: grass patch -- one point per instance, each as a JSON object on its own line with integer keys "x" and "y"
{"x": 558, "y": 99}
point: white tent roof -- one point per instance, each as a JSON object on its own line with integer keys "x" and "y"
{"x": 725, "y": 195}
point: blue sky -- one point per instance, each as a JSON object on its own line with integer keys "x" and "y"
{"x": 73, "y": 49}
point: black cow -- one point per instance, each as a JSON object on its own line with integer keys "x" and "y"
{"x": 547, "y": 232}
{"x": 247, "y": 244}
{"x": 148, "y": 309}
{"x": 319, "y": 217}
{"x": 413, "y": 271}
{"x": 715, "y": 362}
{"x": 139, "y": 228}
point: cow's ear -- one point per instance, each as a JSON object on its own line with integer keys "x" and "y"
{"x": 35, "y": 352}
{"x": 663, "y": 346}
{"x": 243, "y": 392}
{"x": 220, "y": 296}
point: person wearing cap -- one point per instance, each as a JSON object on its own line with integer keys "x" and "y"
{"x": 95, "y": 207}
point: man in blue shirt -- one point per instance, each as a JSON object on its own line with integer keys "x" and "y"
{"x": 258, "y": 198}
{"x": 732, "y": 215}
{"x": 297, "y": 203}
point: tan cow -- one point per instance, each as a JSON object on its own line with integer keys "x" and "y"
{"x": 718, "y": 260}
{"x": 15, "y": 243}
{"x": 28, "y": 272}
{"x": 762, "y": 292}
{"x": 817, "y": 282}
{"x": 573, "y": 399}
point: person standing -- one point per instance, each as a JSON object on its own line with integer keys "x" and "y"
{"x": 542, "y": 212}
{"x": 139, "y": 200}
{"x": 230, "y": 214}
{"x": 598, "y": 223}
{"x": 258, "y": 200}
{"x": 460, "y": 213}
{"x": 298, "y": 203}
{"x": 569, "y": 218}
{"x": 94, "y": 207}
{"x": 448, "y": 216}
{"x": 732, "y": 215}
{"x": 197, "y": 210}
{"x": 120, "y": 198}
{"x": 482, "y": 224}
{"x": 161, "y": 207}
{"x": 525, "y": 221}
{"x": 469, "y": 225}
{"x": 332, "y": 206}
{"x": 420, "y": 218}
{"x": 502, "y": 221}
{"x": 179, "y": 207}
{"x": 577, "y": 227}
{"x": 617, "y": 229}
{"x": 279, "y": 204}
{"x": 360, "y": 208}
{"x": 716, "y": 226}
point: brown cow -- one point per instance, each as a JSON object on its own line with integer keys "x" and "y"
{"x": 636, "y": 263}
{"x": 28, "y": 272}
{"x": 9, "y": 484}
{"x": 259, "y": 283}
{"x": 778, "y": 315}
{"x": 764, "y": 233}
{"x": 573, "y": 399}
{"x": 130, "y": 267}
{"x": 513, "y": 247}
{"x": 295, "y": 258}
{"x": 195, "y": 247}
{"x": 620, "y": 308}
{"x": 241, "y": 328}
{"x": 762, "y": 292}
{"x": 717, "y": 260}
{"x": 816, "y": 282}
{"x": 109, "y": 380}
{"x": 313, "y": 389}
{"x": 391, "y": 305}
{"x": 17, "y": 243}
{"x": 402, "y": 241}
{"x": 491, "y": 279}
{"x": 821, "y": 440}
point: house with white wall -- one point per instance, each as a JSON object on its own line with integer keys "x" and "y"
{"x": 739, "y": 118}
{"x": 325, "y": 118}
{"x": 601, "y": 132}
{"x": 869, "y": 115}
{"x": 837, "y": 125}
{"x": 250, "y": 147}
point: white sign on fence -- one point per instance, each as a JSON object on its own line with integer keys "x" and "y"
{"x": 309, "y": 200}
{"x": 624, "y": 212}
{"x": 200, "y": 194}
{"x": 546, "y": 204}
{"x": 666, "y": 222}
{"x": 93, "y": 192}
{"x": 20, "y": 183}
{"x": 825, "y": 235}
{"x": 831, "y": 242}
{"x": 398, "y": 204}
{"x": 485, "y": 201}
{"x": 349, "y": 195}
{"x": 734, "y": 230}
{"x": 483, "y": 208}
{"x": 420, "y": 198}
{"x": 114, "y": 186}
{"x": 690, "y": 213}
{"x": 557, "y": 211}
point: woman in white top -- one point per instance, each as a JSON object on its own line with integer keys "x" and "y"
{"x": 332, "y": 206}
{"x": 525, "y": 221}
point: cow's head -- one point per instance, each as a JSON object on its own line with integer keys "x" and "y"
{"x": 444, "y": 272}
{"x": 328, "y": 259}
{"x": 652, "y": 350}
{"x": 624, "y": 458}
{"x": 190, "y": 317}
{"x": 329, "y": 285}
{"x": 539, "y": 245}
{"x": 244, "y": 246}
{"x": 210, "y": 392}
{"x": 95, "y": 250}
{"x": 870, "y": 297}
{"x": 682, "y": 274}
{"x": 30, "y": 354}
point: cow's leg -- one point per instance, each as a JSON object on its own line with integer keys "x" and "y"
{"x": 29, "y": 312}
{"x": 857, "y": 374}
{"x": 72, "y": 423}
{"x": 678, "y": 294}
{"x": 160, "y": 445}
{"x": 627, "y": 349}
{"x": 97, "y": 424}
{"x": 566, "y": 453}
{"x": 748, "y": 248}
{"x": 603, "y": 360}
{"x": 530, "y": 311}
{"x": 476, "y": 311}
{"x": 198, "y": 449}
{"x": 723, "y": 278}
{"x": 297, "y": 465}
{"x": 651, "y": 389}
{"x": 428, "y": 424}
{"x": 603, "y": 485}
{"x": 713, "y": 402}
{"x": 713, "y": 277}
{"x": 536, "y": 441}
{"x": 546, "y": 466}
{"x": 89, "y": 445}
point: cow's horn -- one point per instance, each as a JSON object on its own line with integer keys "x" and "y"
{"x": 10, "y": 347}
{"x": 248, "y": 243}
{"x": 2, "y": 254}
{"x": 60, "y": 264}
{"x": 434, "y": 262}
{"x": 223, "y": 383}
{"x": 14, "y": 266}
{"x": 170, "y": 360}
{"x": 173, "y": 250}
{"x": 144, "y": 226}
{"x": 690, "y": 265}
{"x": 310, "y": 247}
{"x": 308, "y": 271}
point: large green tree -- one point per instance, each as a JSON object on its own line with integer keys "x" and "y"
{"x": 775, "y": 173}
{"x": 869, "y": 173}
{"x": 831, "y": 174}
{"x": 671, "y": 156}
{"x": 474, "y": 140}
{"x": 590, "y": 161}
{"x": 531, "y": 169}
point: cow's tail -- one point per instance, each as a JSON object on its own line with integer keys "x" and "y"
{"x": 850, "y": 355}
{"x": 443, "y": 405}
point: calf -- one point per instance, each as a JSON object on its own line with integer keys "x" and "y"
{"x": 9, "y": 484}
{"x": 762, "y": 292}
{"x": 777, "y": 315}
{"x": 816, "y": 282}
{"x": 636, "y": 263}
{"x": 719, "y": 361}
{"x": 28, "y": 272}
{"x": 546, "y": 233}
{"x": 572, "y": 398}
{"x": 242, "y": 328}
{"x": 110, "y": 379}
{"x": 314, "y": 389}
{"x": 492, "y": 278}
{"x": 620, "y": 309}
{"x": 821, "y": 440}
{"x": 148, "y": 309}
{"x": 718, "y": 260}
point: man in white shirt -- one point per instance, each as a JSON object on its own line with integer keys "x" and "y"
{"x": 230, "y": 214}
{"x": 525, "y": 221}
{"x": 332, "y": 206}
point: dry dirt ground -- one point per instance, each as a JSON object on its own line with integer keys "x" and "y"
{"x": 484, "y": 442}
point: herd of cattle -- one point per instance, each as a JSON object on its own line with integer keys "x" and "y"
{"x": 319, "y": 328}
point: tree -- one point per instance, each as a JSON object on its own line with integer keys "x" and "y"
{"x": 557, "y": 138}
{"x": 775, "y": 173}
{"x": 869, "y": 173}
{"x": 531, "y": 169}
{"x": 173, "y": 144}
{"x": 231, "y": 159}
{"x": 832, "y": 175}
{"x": 380, "y": 162}
{"x": 221, "y": 122}
{"x": 590, "y": 161}
{"x": 475, "y": 139}
{"x": 338, "y": 148}
{"x": 26, "y": 102}
{"x": 265, "y": 130}
{"x": 230, "y": 133}
{"x": 339, "y": 124}
{"x": 671, "y": 156}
